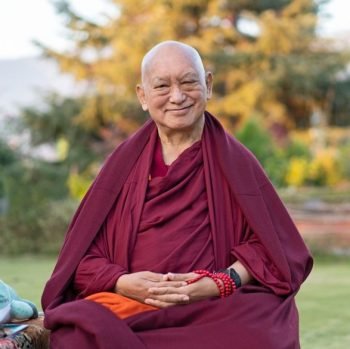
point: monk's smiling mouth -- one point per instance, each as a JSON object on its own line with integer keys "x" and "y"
{"x": 180, "y": 109}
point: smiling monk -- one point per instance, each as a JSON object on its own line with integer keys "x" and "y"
{"x": 181, "y": 241}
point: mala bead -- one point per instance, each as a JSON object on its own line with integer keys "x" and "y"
{"x": 224, "y": 283}
{"x": 229, "y": 284}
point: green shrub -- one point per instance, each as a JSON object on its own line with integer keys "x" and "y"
{"x": 78, "y": 184}
{"x": 344, "y": 159}
{"x": 54, "y": 223}
{"x": 256, "y": 138}
{"x": 40, "y": 230}
{"x": 276, "y": 167}
{"x": 31, "y": 187}
{"x": 296, "y": 148}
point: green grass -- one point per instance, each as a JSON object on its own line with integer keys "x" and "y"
{"x": 324, "y": 306}
{"x": 324, "y": 300}
{"x": 27, "y": 275}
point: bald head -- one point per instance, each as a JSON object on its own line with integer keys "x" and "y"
{"x": 168, "y": 50}
{"x": 175, "y": 88}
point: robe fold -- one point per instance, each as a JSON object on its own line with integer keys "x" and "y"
{"x": 213, "y": 206}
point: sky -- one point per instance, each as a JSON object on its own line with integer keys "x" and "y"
{"x": 22, "y": 21}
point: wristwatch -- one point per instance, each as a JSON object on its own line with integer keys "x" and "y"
{"x": 231, "y": 272}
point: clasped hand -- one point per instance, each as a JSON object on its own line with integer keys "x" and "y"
{"x": 164, "y": 290}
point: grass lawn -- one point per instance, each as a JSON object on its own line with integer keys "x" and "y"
{"x": 27, "y": 275}
{"x": 324, "y": 306}
{"x": 324, "y": 301}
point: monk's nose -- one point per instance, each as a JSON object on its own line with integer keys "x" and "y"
{"x": 176, "y": 95}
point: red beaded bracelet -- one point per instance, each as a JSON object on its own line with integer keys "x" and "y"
{"x": 223, "y": 282}
{"x": 229, "y": 284}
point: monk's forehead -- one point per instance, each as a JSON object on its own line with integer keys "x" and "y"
{"x": 171, "y": 67}
{"x": 164, "y": 58}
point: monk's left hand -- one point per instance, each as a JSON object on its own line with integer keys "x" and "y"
{"x": 164, "y": 295}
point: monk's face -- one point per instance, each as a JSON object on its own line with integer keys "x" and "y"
{"x": 175, "y": 89}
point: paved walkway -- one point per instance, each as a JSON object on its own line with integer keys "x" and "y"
{"x": 326, "y": 226}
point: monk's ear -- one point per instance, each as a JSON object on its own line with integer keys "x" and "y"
{"x": 209, "y": 83}
{"x": 141, "y": 96}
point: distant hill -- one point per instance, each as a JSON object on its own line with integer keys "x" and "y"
{"x": 24, "y": 81}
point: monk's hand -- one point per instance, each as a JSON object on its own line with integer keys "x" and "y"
{"x": 137, "y": 285}
{"x": 164, "y": 295}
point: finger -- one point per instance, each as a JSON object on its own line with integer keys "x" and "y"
{"x": 165, "y": 290}
{"x": 179, "y": 277}
{"x": 168, "y": 277}
{"x": 158, "y": 304}
{"x": 170, "y": 298}
{"x": 171, "y": 284}
{"x": 166, "y": 284}
{"x": 150, "y": 276}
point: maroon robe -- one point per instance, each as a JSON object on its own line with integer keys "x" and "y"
{"x": 214, "y": 206}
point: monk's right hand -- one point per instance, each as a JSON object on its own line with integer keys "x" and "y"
{"x": 137, "y": 285}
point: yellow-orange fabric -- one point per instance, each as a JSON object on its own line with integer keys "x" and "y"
{"x": 121, "y": 306}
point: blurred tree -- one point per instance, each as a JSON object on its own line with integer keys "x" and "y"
{"x": 265, "y": 56}
{"x": 79, "y": 149}
{"x": 340, "y": 107}
{"x": 56, "y": 124}
{"x": 7, "y": 158}
{"x": 34, "y": 204}
{"x": 35, "y": 193}
{"x": 7, "y": 155}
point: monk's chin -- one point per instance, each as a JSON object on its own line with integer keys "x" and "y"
{"x": 182, "y": 122}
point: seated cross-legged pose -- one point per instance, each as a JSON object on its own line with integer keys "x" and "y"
{"x": 181, "y": 241}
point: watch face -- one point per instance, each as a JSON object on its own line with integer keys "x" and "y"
{"x": 235, "y": 277}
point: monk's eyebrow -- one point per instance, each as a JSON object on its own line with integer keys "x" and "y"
{"x": 190, "y": 75}
{"x": 158, "y": 80}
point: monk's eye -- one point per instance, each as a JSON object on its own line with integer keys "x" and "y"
{"x": 188, "y": 82}
{"x": 161, "y": 86}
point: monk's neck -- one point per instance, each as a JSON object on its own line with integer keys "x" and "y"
{"x": 174, "y": 143}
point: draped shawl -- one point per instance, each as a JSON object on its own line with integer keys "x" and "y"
{"x": 256, "y": 316}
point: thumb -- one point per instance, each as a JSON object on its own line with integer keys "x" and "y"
{"x": 178, "y": 276}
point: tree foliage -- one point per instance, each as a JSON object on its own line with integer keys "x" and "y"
{"x": 7, "y": 158}
{"x": 265, "y": 56}
{"x": 58, "y": 124}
